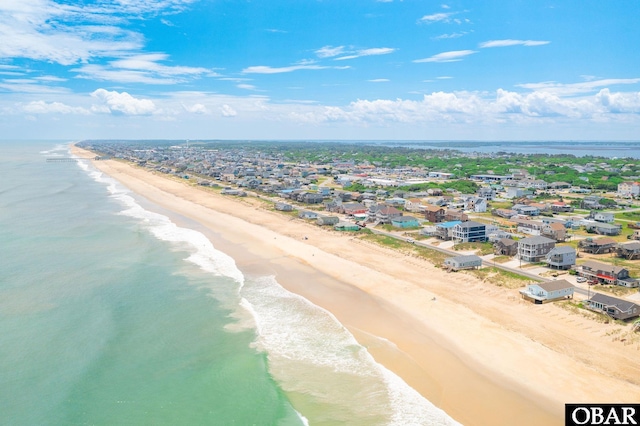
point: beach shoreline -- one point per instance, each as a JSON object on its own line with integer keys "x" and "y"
{"x": 470, "y": 361}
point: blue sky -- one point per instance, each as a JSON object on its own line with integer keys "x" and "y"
{"x": 320, "y": 69}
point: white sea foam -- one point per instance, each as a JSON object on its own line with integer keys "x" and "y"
{"x": 56, "y": 149}
{"x": 312, "y": 353}
{"x": 202, "y": 252}
{"x": 302, "y": 418}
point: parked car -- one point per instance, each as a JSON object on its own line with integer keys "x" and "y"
{"x": 581, "y": 279}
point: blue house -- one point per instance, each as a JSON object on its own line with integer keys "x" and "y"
{"x": 405, "y": 222}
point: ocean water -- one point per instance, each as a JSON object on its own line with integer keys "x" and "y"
{"x": 112, "y": 314}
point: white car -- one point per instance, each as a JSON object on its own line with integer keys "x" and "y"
{"x": 581, "y": 279}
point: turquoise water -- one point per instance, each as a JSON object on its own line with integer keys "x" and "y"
{"x": 112, "y": 314}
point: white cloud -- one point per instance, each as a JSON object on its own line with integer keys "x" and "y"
{"x": 452, "y": 56}
{"x": 69, "y": 33}
{"x": 148, "y": 62}
{"x": 227, "y": 111}
{"x": 196, "y": 109}
{"x": 49, "y": 31}
{"x": 261, "y": 69}
{"x": 379, "y": 80}
{"x": 437, "y": 17}
{"x": 509, "y": 42}
{"x": 329, "y": 51}
{"x": 246, "y": 86}
{"x": 141, "y": 68}
{"x": 452, "y": 35}
{"x": 50, "y": 78}
{"x": 368, "y": 52}
{"x": 475, "y": 108}
{"x": 576, "y": 88}
{"x": 29, "y": 85}
{"x": 42, "y": 107}
{"x": 123, "y": 103}
{"x": 618, "y": 103}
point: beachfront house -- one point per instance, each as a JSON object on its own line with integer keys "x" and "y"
{"x": 346, "y": 226}
{"x": 327, "y": 220}
{"x": 616, "y": 308}
{"x": 307, "y": 214}
{"x": 405, "y": 222}
{"x": 458, "y": 263}
{"x": 548, "y": 291}
{"x": 534, "y": 249}
{"x": 563, "y": 257}
{"x": 283, "y": 207}
{"x": 467, "y": 232}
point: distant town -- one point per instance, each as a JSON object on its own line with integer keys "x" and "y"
{"x": 571, "y": 223}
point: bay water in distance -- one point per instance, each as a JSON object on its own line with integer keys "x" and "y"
{"x": 112, "y": 314}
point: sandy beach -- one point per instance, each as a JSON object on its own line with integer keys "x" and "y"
{"x": 477, "y": 351}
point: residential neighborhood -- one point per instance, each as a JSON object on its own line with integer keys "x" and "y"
{"x": 522, "y": 219}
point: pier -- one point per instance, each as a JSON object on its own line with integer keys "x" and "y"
{"x": 64, "y": 160}
{"x": 74, "y": 159}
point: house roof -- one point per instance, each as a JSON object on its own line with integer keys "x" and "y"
{"x": 389, "y": 210}
{"x": 507, "y": 242}
{"x": 555, "y": 285}
{"x": 536, "y": 240}
{"x": 556, "y": 226}
{"x": 622, "y": 305}
{"x": 448, "y": 224}
{"x": 432, "y": 208}
{"x": 562, "y": 250}
{"x": 635, "y": 245}
{"x": 603, "y": 241}
{"x": 404, "y": 219}
{"x": 471, "y": 224}
{"x": 605, "y": 225}
{"x": 598, "y": 266}
{"x": 465, "y": 258}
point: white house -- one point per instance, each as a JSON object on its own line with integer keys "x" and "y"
{"x": 477, "y": 204}
{"x": 548, "y": 291}
{"x": 463, "y": 262}
{"x": 604, "y": 217}
{"x": 629, "y": 189}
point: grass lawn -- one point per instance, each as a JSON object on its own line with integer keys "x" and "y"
{"x": 480, "y": 248}
{"x": 499, "y": 277}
